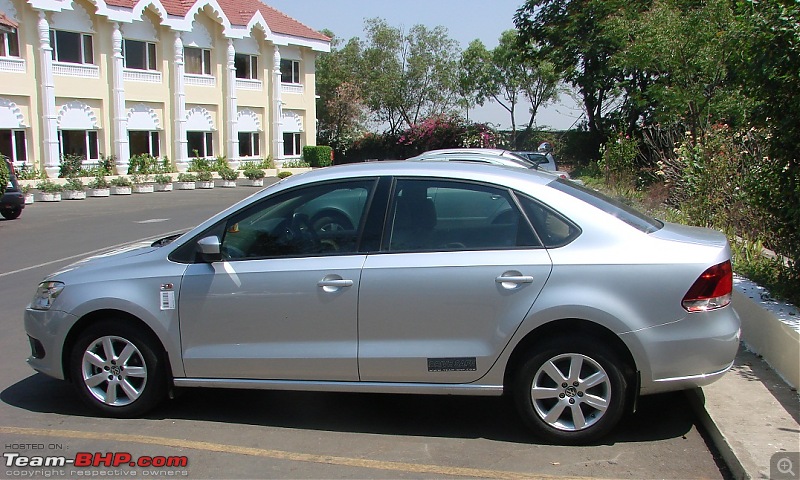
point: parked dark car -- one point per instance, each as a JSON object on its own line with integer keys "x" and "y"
{"x": 13, "y": 201}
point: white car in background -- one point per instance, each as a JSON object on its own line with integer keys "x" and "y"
{"x": 494, "y": 156}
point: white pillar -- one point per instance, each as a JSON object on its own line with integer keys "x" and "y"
{"x": 121, "y": 147}
{"x": 277, "y": 109}
{"x": 50, "y": 155}
{"x": 233, "y": 109}
{"x": 180, "y": 142}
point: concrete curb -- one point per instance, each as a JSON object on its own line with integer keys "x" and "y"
{"x": 726, "y": 450}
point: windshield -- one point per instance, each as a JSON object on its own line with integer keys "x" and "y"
{"x": 627, "y": 214}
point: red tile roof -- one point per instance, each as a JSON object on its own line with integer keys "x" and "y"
{"x": 239, "y": 12}
{"x": 7, "y": 22}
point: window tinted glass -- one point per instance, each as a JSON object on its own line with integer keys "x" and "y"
{"x": 193, "y": 58}
{"x": 553, "y": 229}
{"x": 443, "y": 215}
{"x": 68, "y": 46}
{"x": 316, "y": 220}
{"x": 135, "y": 56}
{"x": 623, "y": 212}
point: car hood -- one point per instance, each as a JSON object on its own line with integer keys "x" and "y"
{"x": 694, "y": 235}
{"x": 109, "y": 258}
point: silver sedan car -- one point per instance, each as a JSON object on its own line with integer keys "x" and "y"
{"x": 407, "y": 277}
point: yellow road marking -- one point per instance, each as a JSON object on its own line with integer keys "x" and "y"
{"x": 281, "y": 455}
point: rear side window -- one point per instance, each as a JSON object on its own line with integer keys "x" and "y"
{"x": 553, "y": 229}
{"x": 617, "y": 209}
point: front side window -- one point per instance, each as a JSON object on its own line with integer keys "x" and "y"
{"x": 72, "y": 47}
{"x": 143, "y": 142}
{"x": 443, "y": 215}
{"x": 246, "y": 66}
{"x": 80, "y": 143}
{"x": 290, "y": 71}
{"x": 292, "y": 146}
{"x": 248, "y": 144}
{"x": 139, "y": 55}
{"x": 315, "y": 220}
{"x": 198, "y": 60}
{"x": 9, "y": 44}
{"x": 200, "y": 144}
{"x": 13, "y": 146}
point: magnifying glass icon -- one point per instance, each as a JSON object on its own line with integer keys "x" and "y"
{"x": 785, "y": 466}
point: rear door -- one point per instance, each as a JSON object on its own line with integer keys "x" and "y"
{"x": 459, "y": 269}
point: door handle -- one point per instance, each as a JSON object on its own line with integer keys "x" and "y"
{"x": 335, "y": 283}
{"x": 514, "y": 279}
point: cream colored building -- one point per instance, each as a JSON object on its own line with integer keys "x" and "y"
{"x": 165, "y": 77}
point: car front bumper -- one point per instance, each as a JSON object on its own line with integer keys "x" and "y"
{"x": 47, "y": 331}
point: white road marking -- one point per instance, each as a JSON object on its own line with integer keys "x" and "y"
{"x": 153, "y": 220}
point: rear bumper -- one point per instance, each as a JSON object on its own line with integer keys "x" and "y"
{"x": 692, "y": 352}
{"x": 12, "y": 200}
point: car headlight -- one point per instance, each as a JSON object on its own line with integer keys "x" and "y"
{"x": 46, "y": 295}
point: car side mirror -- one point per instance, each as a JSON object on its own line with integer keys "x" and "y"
{"x": 209, "y": 249}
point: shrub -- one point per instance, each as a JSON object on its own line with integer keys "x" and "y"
{"x": 199, "y": 164}
{"x": 228, "y": 173}
{"x": 162, "y": 179}
{"x": 48, "y": 186}
{"x": 4, "y": 174}
{"x": 205, "y": 176}
{"x": 618, "y": 160}
{"x": 284, "y": 174}
{"x": 70, "y": 166}
{"x": 99, "y": 180}
{"x": 143, "y": 164}
{"x": 74, "y": 184}
{"x": 295, "y": 164}
{"x": 121, "y": 182}
{"x": 186, "y": 177}
{"x": 319, "y": 156}
{"x": 252, "y": 172}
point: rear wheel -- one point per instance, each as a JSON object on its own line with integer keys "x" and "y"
{"x": 117, "y": 369}
{"x": 11, "y": 213}
{"x": 571, "y": 391}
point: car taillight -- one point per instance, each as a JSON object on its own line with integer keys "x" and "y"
{"x": 711, "y": 290}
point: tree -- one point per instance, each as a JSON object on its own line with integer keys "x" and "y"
{"x": 339, "y": 83}
{"x": 408, "y": 76}
{"x": 571, "y": 34}
{"x": 505, "y": 76}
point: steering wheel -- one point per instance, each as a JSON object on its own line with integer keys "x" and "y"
{"x": 303, "y": 230}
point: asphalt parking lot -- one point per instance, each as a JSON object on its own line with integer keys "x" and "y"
{"x": 209, "y": 433}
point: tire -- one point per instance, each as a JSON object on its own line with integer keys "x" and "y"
{"x": 571, "y": 391}
{"x": 11, "y": 213}
{"x": 118, "y": 370}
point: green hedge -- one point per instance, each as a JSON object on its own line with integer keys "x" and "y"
{"x": 319, "y": 156}
{"x": 3, "y": 174}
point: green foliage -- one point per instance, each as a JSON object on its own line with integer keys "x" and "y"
{"x": 506, "y": 76}
{"x": 220, "y": 163}
{"x": 295, "y": 164}
{"x": 618, "y": 160}
{"x": 187, "y": 177}
{"x": 70, "y": 166}
{"x": 28, "y": 172}
{"x": 284, "y": 174}
{"x": 121, "y": 181}
{"x": 48, "y": 186}
{"x": 74, "y": 183}
{"x": 200, "y": 164}
{"x": 205, "y": 176}
{"x": 140, "y": 178}
{"x": 228, "y": 173}
{"x": 143, "y": 164}
{"x": 318, "y": 156}
{"x": 99, "y": 180}
{"x": 442, "y": 131}
{"x": 162, "y": 179}
{"x": 253, "y": 172}
{"x": 4, "y": 174}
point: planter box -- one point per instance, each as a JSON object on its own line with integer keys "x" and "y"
{"x": 162, "y": 187}
{"x": 49, "y": 197}
{"x": 99, "y": 192}
{"x": 29, "y": 198}
{"x": 73, "y": 195}
{"x": 205, "y": 185}
{"x": 121, "y": 190}
{"x": 185, "y": 185}
{"x": 143, "y": 188}
{"x": 228, "y": 184}
{"x": 258, "y": 182}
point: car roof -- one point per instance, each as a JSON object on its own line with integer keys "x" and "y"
{"x": 500, "y": 174}
{"x": 472, "y": 151}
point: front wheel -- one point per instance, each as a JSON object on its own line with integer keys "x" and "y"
{"x": 11, "y": 213}
{"x": 117, "y": 369}
{"x": 570, "y": 391}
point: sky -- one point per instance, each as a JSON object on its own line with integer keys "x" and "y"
{"x": 465, "y": 21}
